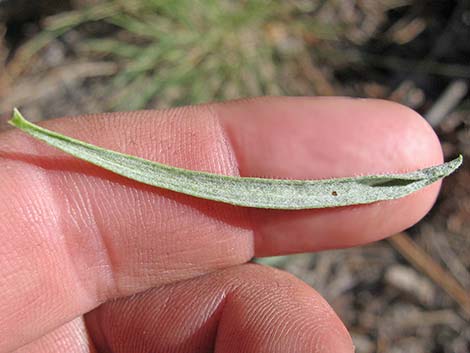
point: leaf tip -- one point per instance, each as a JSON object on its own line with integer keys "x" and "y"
{"x": 458, "y": 161}
{"x": 17, "y": 118}
{"x": 453, "y": 165}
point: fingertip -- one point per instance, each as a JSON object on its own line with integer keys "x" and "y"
{"x": 318, "y": 138}
{"x": 422, "y": 145}
{"x": 272, "y": 311}
{"x": 248, "y": 308}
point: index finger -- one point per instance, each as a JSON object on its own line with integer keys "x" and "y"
{"x": 74, "y": 235}
{"x": 327, "y": 138}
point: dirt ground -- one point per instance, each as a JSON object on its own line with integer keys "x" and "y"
{"x": 407, "y": 294}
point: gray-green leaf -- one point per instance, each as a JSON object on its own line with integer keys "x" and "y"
{"x": 241, "y": 191}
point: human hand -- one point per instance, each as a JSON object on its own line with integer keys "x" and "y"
{"x": 75, "y": 236}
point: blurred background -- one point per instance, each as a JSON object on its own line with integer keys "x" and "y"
{"x": 410, "y": 293}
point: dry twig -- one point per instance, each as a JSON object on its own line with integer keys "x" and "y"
{"x": 422, "y": 261}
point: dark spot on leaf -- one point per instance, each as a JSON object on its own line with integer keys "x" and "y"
{"x": 334, "y": 193}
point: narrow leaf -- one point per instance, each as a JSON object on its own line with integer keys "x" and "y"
{"x": 241, "y": 191}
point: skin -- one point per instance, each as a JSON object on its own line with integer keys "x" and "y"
{"x": 93, "y": 262}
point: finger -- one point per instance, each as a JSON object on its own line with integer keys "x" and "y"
{"x": 325, "y": 138}
{"x": 244, "y": 309}
{"x": 71, "y": 338}
{"x": 74, "y": 235}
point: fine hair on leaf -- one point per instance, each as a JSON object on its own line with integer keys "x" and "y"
{"x": 245, "y": 191}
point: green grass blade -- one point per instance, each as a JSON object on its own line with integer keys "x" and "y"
{"x": 241, "y": 191}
